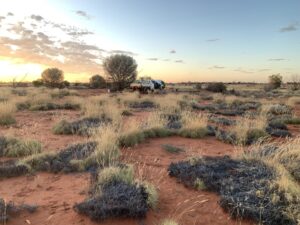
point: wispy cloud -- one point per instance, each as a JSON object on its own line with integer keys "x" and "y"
{"x": 290, "y": 27}
{"x": 152, "y": 59}
{"x": 179, "y": 61}
{"x": 241, "y": 70}
{"x": 263, "y": 70}
{"x": 173, "y": 51}
{"x": 36, "y": 17}
{"x": 217, "y": 67}
{"x": 166, "y": 60}
{"x": 10, "y": 14}
{"x": 213, "y": 40}
{"x": 83, "y": 14}
{"x": 122, "y": 52}
{"x": 277, "y": 59}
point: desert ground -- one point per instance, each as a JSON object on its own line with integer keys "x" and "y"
{"x": 169, "y": 157}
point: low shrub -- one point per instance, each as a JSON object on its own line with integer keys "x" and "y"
{"x": 62, "y": 161}
{"x": 19, "y": 92}
{"x": 7, "y": 110}
{"x": 12, "y": 147}
{"x": 144, "y": 104}
{"x": 295, "y": 120}
{"x": 226, "y": 137}
{"x": 53, "y": 106}
{"x": 133, "y": 139}
{"x": 286, "y": 154}
{"x": 199, "y": 184}
{"x": 117, "y": 200}
{"x": 172, "y": 149}
{"x": 222, "y": 121}
{"x": 7, "y": 209}
{"x": 194, "y": 133}
{"x": 61, "y": 93}
{"x": 115, "y": 174}
{"x": 254, "y": 135}
{"x": 13, "y": 169}
{"x": 127, "y": 113}
{"x": 152, "y": 193}
{"x": 217, "y": 87}
{"x": 115, "y": 194}
{"x": 23, "y": 105}
{"x": 107, "y": 152}
{"x": 81, "y": 127}
{"x": 137, "y": 137}
{"x": 245, "y": 186}
{"x": 279, "y": 111}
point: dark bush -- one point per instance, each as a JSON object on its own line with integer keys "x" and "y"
{"x": 62, "y": 161}
{"x": 80, "y": 127}
{"x": 9, "y": 209}
{"x": 218, "y": 87}
{"x": 13, "y": 169}
{"x": 246, "y": 188}
{"x": 97, "y": 81}
{"x": 37, "y": 83}
{"x": 118, "y": 200}
{"x": 255, "y": 135}
{"x": 143, "y": 104}
{"x": 222, "y": 121}
{"x": 172, "y": 149}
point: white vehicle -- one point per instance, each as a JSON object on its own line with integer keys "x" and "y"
{"x": 142, "y": 85}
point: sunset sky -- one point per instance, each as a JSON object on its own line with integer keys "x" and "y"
{"x": 173, "y": 40}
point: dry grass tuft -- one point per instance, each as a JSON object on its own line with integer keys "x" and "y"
{"x": 7, "y": 109}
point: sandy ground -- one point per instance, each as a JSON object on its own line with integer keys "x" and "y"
{"x": 55, "y": 194}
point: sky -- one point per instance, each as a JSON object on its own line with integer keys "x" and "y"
{"x": 172, "y": 40}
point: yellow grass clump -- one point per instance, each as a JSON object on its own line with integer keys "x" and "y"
{"x": 7, "y": 110}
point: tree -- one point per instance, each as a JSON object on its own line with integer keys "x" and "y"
{"x": 275, "y": 81}
{"x": 97, "y": 81}
{"x": 53, "y": 77}
{"x": 121, "y": 69}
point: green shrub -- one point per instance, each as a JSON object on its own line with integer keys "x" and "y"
{"x": 114, "y": 174}
{"x": 254, "y": 135}
{"x": 13, "y": 147}
{"x": 152, "y": 200}
{"x": 199, "y": 185}
{"x": 23, "y": 105}
{"x": 295, "y": 120}
{"x": 172, "y": 149}
{"x": 43, "y": 107}
{"x": 63, "y": 127}
{"x": 6, "y": 120}
{"x": 132, "y": 139}
{"x": 36, "y": 161}
{"x": 194, "y": 133}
